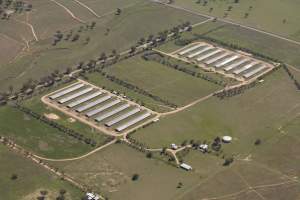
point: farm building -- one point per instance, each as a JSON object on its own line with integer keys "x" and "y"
{"x": 186, "y": 167}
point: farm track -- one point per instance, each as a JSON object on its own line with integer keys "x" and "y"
{"x": 80, "y": 157}
{"x": 85, "y": 6}
{"x": 69, "y": 12}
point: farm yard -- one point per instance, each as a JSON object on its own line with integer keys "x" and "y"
{"x": 142, "y": 99}
{"x": 98, "y": 108}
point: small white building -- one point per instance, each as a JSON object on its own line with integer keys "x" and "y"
{"x": 92, "y": 196}
{"x": 203, "y": 148}
{"x": 227, "y": 139}
{"x": 186, "y": 167}
{"x": 174, "y": 146}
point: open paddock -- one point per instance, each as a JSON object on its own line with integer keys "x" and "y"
{"x": 31, "y": 179}
{"x": 169, "y": 84}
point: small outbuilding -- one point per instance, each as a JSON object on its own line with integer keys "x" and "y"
{"x": 186, "y": 167}
{"x": 227, "y": 139}
{"x": 174, "y": 146}
{"x": 91, "y": 196}
{"x": 203, "y": 148}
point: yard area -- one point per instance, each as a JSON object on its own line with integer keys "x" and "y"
{"x": 31, "y": 179}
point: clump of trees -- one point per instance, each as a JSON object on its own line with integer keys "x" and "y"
{"x": 10, "y": 7}
{"x": 72, "y": 35}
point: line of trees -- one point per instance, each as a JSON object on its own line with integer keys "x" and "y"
{"x": 137, "y": 89}
{"x": 157, "y": 57}
{"x": 234, "y": 91}
{"x": 59, "y": 127}
{"x": 295, "y": 81}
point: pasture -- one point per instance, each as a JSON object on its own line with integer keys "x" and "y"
{"x": 40, "y": 138}
{"x": 111, "y": 32}
{"x": 31, "y": 179}
{"x": 110, "y": 171}
{"x": 275, "y": 16}
{"x": 167, "y": 83}
{"x": 251, "y": 115}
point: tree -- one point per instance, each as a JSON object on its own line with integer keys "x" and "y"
{"x": 14, "y": 177}
{"x": 87, "y": 40}
{"x": 135, "y": 177}
{"x": 149, "y": 155}
{"x": 257, "y": 142}
{"x": 284, "y": 21}
{"x": 11, "y": 89}
{"x": 228, "y": 161}
{"x": 118, "y": 12}
{"x": 180, "y": 184}
{"x": 62, "y": 191}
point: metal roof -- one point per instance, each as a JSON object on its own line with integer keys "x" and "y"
{"x": 75, "y": 95}
{"x": 133, "y": 121}
{"x": 113, "y": 112}
{"x": 93, "y": 103}
{"x": 80, "y": 101}
{"x": 122, "y": 117}
{"x": 66, "y": 91}
{"x": 105, "y": 106}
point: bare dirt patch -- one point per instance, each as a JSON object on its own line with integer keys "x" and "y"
{"x": 71, "y": 120}
{"x": 52, "y": 116}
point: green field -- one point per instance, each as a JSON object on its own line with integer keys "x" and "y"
{"x": 258, "y": 113}
{"x": 43, "y": 58}
{"x": 116, "y": 165}
{"x": 110, "y": 172}
{"x": 267, "y": 15}
{"x": 167, "y": 83}
{"x": 31, "y": 179}
{"x": 38, "y": 137}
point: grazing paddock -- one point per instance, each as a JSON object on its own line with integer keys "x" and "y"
{"x": 42, "y": 139}
{"x": 31, "y": 179}
{"x": 110, "y": 171}
{"x": 246, "y": 117}
{"x": 275, "y": 16}
{"x": 167, "y": 83}
{"x": 122, "y": 34}
{"x": 10, "y": 48}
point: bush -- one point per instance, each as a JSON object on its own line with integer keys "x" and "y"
{"x": 135, "y": 177}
